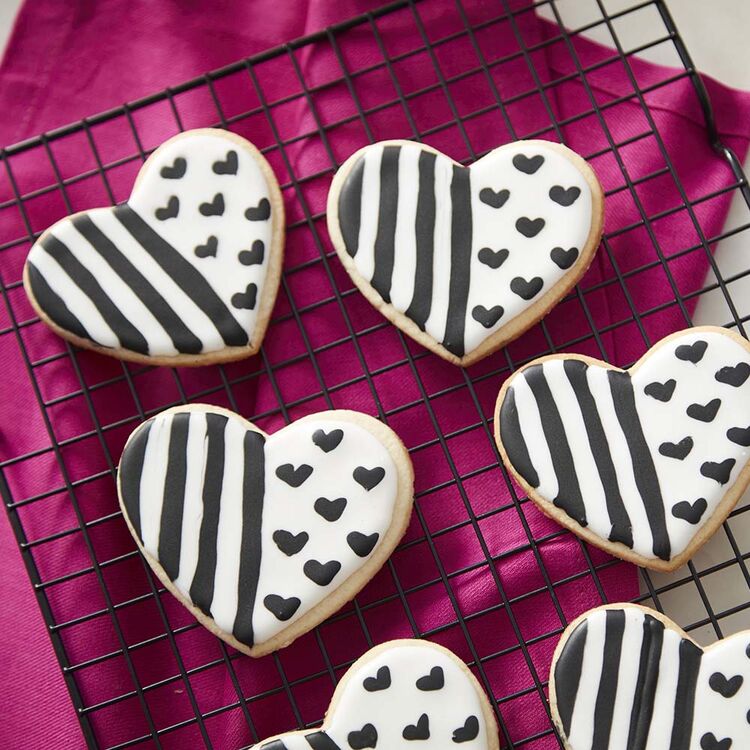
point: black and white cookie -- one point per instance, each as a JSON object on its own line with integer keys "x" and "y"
{"x": 263, "y": 536}
{"x": 644, "y": 463}
{"x": 464, "y": 259}
{"x": 398, "y": 696}
{"x": 185, "y": 272}
{"x": 627, "y": 678}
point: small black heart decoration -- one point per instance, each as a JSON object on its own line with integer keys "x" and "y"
{"x": 443, "y": 264}
{"x": 435, "y": 680}
{"x": 719, "y": 471}
{"x": 709, "y": 742}
{"x": 597, "y": 447}
{"x": 468, "y": 732}
{"x": 418, "y": 731}
{"x": 690, "y": 512}
{"x": 362, "y": 544}
{"x": 727, "y": 687}
{"x": 331, "y": 510}
{"x": 214, "y": 207}
{"x": 530, "y": 227}
{"x": 704, "y": 412}
{"x": 328, "y": 441}
{"x": 734, "y": 376}
{"x": 564, "y": 258}
{"x": 526, "y": 164}
{"x": 175, "y": 171}
{"x": 368, "y": 478}
{"x": 493, "y": 258}
{"x": 170, "y": 211}
{"x": 739, "y": 435}
{"x": 321, "y": 573}
{"x": 526, "y": 288}
{"x": 661, "y": 391}
{"x": 209, "y": 249}
{"x": 360, "y": 739}
{"x": 294, "y": 476}
{"x": 246, "y": 300}
{"x": 564, "y": 197}
{"x": 254, "y": 256}
{"x": 261, "y": 212}
{"x": 487, "y": 318}
{"x": 281, "y": 607}
{"x": 680, "y": 450}
{"x": 290, "y": 544}
{"x": 381, "y": 681}
{"x": 494, "y": 198}
{"x": 228, "y": 165}
{"x": 699, "y": 703}
{"x": 691, "y": 352}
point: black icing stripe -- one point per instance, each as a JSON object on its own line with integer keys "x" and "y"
{"x": 644, "y": 470}
{"x": 460, "y": 275}
{"x": 622, "y": 530}
{"x": 185, "y": 275}
{"x": 568, "y": 668}
{"x": 253, "y": 489}
{"x": 687, "y": 680}
{"x": 321, "y": 741}
{"x": 386, "y": 235}
{"x": 130, "y": 470}
{"x": 184, "y": 340}
{"x": 53, "y": 305}
{"x": 202, "y": 586}
{"x": 605, "y": 698}
{"x": 569, "y": 496}
{"x": 350, "y": 207}
{"x": 127, "y": 334}
{"x": 513, "y": 440}
{"x": 647, "y": 680}
{"x": 170, "y": 529}
{"x": 424, "y": 229}
{"x": 274, "y": 745}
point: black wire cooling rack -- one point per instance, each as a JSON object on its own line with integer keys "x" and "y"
{"x": 118, "y": 693}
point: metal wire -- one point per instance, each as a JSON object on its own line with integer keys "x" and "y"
{"x": 228, "y": 384}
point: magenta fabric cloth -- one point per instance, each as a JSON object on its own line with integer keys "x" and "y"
{"x": 69, "y": 60}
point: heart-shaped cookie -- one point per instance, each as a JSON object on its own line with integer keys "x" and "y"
{"x": 184, "y": 273}
{"x": 241, "y": 527}
{"x": 627, "y": 678}
{"x": 400, "y": 695}
{"x": 645, "y": 463}
{"x": 464, "y": 259}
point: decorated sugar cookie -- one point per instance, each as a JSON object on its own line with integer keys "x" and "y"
{"x": 263, "y": 536}
{"x": 183, "y": 273}
{"x": 625, "y": 677}
{"x": 644, "y": 463}
{"x": 400, "y": 695}
{"x": 464, "y": 259}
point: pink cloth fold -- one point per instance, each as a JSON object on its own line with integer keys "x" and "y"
{"x": 67, "y": 61}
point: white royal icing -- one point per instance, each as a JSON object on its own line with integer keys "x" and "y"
{"x": 202, "y": 254}
{"x": 623, "y": 679}
{"x": 380, "y": 717}
{"x": 174, "y": 463}
{"x": 375, "y": 227}
{"x": 681, "y": 448}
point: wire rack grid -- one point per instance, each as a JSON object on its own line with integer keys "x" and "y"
{"x": 142, "y": 673}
